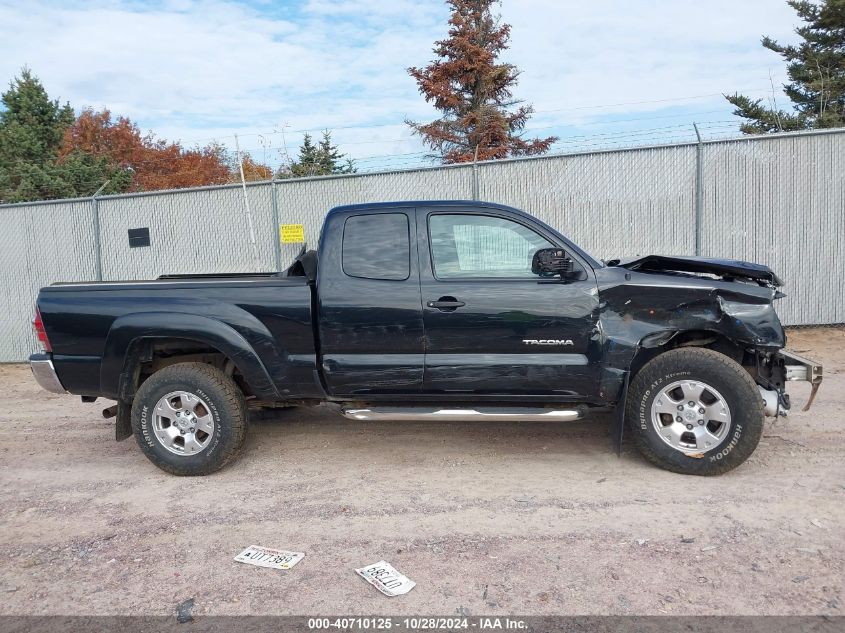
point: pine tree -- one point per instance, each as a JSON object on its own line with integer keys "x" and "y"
{"x": 330, "y": 158}
{"x": 308, "y": 163}
{"x": 473, "y": 92}
{"x": 31, "y": 131}
{"x": 322, "y": 159}
{"x": 87, "y": 174}
{"x": 816, "y": 69}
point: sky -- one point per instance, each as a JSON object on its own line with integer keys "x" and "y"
{"x": 606, "y": 73}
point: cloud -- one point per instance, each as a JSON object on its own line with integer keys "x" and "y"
{"x": 194, "y": 70}
{"x": 622, "y": 51}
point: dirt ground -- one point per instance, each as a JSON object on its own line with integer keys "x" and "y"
{"x": 503, "y": 518}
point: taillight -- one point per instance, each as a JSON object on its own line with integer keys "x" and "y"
{"x": 38, "y": 324}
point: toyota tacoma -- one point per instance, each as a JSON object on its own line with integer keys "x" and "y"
{"x": 446, "y": 310}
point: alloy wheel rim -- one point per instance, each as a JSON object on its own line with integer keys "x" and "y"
{"x": 691, "y": 416}
{"x": 182, "y": 423}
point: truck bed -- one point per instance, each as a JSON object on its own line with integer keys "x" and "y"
{"x": 90, "y": 324}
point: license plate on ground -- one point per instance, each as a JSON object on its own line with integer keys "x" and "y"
{"x": 267, "y": 557}
{"x": 386, "y": 579}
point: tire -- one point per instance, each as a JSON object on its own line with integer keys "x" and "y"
{"x": 197, "y": 404}
{"x": 688, "y": 441}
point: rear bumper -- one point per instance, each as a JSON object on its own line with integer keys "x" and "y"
{"x": 45, "y": 373}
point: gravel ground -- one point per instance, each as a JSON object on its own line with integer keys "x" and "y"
{"x": 487, "y": 518}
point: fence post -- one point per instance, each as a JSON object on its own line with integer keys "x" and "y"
{"x": 475, "y": 174}
{"x": 98, "y": 251}
{"x": 699, "y": 188}
{"x": 95, "y": 223}
{"x": 277, "y": 245}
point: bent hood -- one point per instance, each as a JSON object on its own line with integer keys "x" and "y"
{"x": 700, "y": 265}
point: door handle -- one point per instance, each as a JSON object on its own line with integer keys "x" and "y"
{"x": 446, "y": 304}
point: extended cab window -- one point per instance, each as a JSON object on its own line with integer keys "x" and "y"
{"x": 482, "y": 246}
{"x": 377, "y": 246}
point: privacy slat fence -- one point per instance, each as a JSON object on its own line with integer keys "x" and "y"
{"x": 778, "y": 200}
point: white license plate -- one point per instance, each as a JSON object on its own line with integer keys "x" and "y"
{"x": 266, "y": 557}
{"x": 386, "y": 579}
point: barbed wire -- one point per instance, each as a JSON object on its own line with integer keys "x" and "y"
{"x": 622, "y": 139}
{"x": 365, "y": 126}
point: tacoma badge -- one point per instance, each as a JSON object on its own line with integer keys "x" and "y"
{"x": 550, "y": 341}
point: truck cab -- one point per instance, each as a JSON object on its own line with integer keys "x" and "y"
{"x": 441, "y": 300}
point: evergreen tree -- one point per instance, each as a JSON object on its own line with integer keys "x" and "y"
{"x": 31, "y": 131}
{"x": 308, "y": 163}
{"x": 816, "y": 69}
{"x": 473, "y": 92}
{"x": 330, "y": 158}
{"x": 322, "y": 159}
{"x": 87, "y": 173}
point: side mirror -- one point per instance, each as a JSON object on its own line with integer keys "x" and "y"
{"x": 550, "y": 262}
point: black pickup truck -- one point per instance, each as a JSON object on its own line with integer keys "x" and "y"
{"x": 444, "y": 310}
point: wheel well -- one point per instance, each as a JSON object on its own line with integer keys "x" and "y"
{"x": 693, "y": 338}
{"x": 147, "y": 356}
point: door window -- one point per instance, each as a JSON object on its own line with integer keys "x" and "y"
{"x": 377, "y": 246}
{"x": 472, "y": 246}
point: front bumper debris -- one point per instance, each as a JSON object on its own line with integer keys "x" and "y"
{"x": 45, "y": 374}
{"x": 799, "y": 368}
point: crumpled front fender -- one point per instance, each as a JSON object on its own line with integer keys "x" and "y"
{"x": 645, "y": 310}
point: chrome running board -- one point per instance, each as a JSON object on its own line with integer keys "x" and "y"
{"x": 503, "y": 414}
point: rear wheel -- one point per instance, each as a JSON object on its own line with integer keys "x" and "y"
{"x": 189, "y": 419}
{"x": 695, "y": 411}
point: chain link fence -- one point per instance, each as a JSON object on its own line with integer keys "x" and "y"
{"x": 777, "y": 200}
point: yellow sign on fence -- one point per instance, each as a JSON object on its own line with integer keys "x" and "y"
{"x": 292, "y": 233}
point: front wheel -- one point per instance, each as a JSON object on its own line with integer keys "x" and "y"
{"x": 694, "y": 411}
{"x": 189, "y": 419}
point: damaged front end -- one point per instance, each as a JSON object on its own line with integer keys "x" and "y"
{"x": 655, "y": 302}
